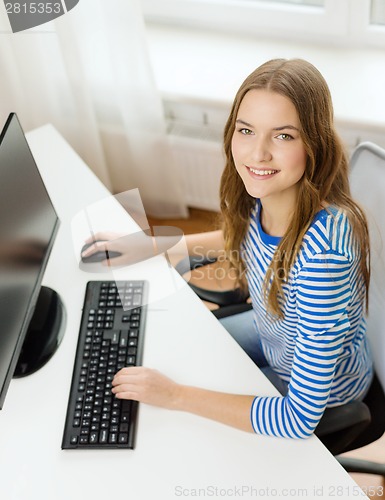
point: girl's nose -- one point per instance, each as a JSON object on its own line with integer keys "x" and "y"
{"x": 261, "y": 151}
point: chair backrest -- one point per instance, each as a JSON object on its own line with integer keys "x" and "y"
{"x": 367, "y": 180}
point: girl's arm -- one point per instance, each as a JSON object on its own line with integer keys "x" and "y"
{"x": 151, "y": 387}
{"x": 141, "y": 245}
{"x": 209, "y": 244}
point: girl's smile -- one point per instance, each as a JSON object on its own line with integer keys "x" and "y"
{"x": 261, "y": 174}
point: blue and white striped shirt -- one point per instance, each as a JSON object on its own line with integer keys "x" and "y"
{"x": 320, "y": 347}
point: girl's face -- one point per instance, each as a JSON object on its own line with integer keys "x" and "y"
{"x": 267, "y": 148}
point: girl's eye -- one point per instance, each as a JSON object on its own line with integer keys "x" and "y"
{"x": 285, "y": 137}
{"x": 245, "y": 131}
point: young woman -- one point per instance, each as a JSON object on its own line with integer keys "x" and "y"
{"x": 293, "y": 232}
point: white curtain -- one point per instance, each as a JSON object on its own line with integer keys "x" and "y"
{"x": 89, "y": 74}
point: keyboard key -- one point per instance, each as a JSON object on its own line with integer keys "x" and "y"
{"x": 123, "y": 338}
{"x": 93, "y": 438}
{"x": 123, "y": 438}
{"x": 123, "y": 428}
{"x": 113, "y": 439}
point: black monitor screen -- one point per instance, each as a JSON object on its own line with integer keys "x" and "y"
{"x": 28, "y": 224}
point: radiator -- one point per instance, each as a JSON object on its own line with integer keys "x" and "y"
{"x": 196, "y": 134}
{"x": 200, "y": 164}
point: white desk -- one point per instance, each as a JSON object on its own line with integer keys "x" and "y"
{"x": 176, "y": 453}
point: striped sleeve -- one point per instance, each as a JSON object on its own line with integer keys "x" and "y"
{"x": 323, "y": 296}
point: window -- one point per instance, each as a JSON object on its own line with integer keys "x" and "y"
{"x": 367, "y": 22}
{"x": 377, "y": 12}
{"x": 347, "y": 22}
{"x": 320, "y": 3}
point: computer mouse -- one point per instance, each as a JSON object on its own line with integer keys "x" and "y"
{"x": 98, "y": 256}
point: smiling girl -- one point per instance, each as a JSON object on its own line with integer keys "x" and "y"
{"x": 294, "y": 234}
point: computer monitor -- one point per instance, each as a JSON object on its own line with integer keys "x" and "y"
{"x": 31, "y": 316}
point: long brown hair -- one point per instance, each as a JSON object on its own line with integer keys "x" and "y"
{"x": 325, "y": 179}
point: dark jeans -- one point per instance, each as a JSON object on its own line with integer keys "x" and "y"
{"x": 241, "y": 328}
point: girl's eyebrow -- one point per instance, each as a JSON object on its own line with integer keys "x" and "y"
{"x": 241, "y": 122}
{"x": 277, "y": 129}
{"x": 284, "y": 127}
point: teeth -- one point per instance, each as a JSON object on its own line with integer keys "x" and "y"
{"x": 262, "y": 172}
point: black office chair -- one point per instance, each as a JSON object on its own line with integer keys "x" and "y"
{"x": 226, "y": 302}
{"x": 359, "y": 423}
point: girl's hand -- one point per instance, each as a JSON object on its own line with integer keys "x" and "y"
{"x": 131, "y": 248}
{"x": 146, "y": 386}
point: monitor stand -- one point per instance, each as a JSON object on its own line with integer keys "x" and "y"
{"x": 44, "y": 334}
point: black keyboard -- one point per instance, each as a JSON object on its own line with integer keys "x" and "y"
{"x": 111, "y": 337}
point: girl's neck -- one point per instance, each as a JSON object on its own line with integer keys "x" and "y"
{"x": 276, "y": 216}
